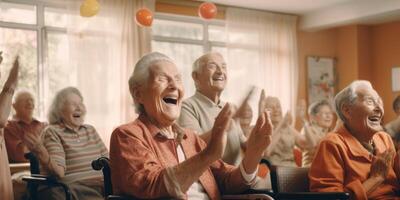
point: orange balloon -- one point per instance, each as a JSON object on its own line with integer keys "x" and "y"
{"x": 144, "y": 17}
{"x": 207, "y": 10}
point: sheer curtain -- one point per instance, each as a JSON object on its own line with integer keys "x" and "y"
{"x": 262, "y": 51}
{"x": 102, "y": 52}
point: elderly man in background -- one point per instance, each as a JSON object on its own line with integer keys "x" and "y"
{"x": 152, "y": 157}
{"x": 393, "y": 127}
{"x": 357, "y": 157}
{"x": 6, "y": 190}
{"x": 199, "y": 111}
{"x": 22, "y": 124}
{"x": 68, "y": 148}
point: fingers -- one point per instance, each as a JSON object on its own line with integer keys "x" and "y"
{"x": 244, "y": 103}
{"x": 223, "y": 119}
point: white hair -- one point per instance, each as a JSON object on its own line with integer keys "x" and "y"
{"x": 54, "y": 115}
{"x": 315, "y": 107}
{"x": 140, "y": 74}
{"x": 348, "y": 95}
{"x": 199, "y": 62}
{"x": 20, "y": 92}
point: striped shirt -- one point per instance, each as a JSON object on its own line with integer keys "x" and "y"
{"x": 75, "y": 150}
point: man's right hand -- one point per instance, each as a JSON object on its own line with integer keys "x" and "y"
{"x": 381, "y": 164}
{"x": 217, "y": 143}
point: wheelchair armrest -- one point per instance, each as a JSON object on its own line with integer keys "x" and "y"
{"x": 251, "y": 194}
{"x": 258, "y": 191}
{"x": 120, "y": 197}
{"x": 39, "y": 179}
{"x": 314, "y": 195}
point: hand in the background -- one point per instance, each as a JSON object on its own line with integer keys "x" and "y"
{"x": 13, "y": 77}
{"x": 1, "y": 57}
{"x": 32, "y": 141}
{"x": 301, "y": 110}
{"x": 243, "y": 106}
{"x": 261, "y": 103}
{"x": 287, "y": 119}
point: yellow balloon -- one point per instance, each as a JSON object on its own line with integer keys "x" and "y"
{"x": 89, "y": 8}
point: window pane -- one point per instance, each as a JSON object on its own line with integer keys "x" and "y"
{"x": 177, "y": 29}
{"x": 18, "y": 13}
{"x": 217, "y": 33}
{"x": 23, "y": 43}
{"x": 60, "y": 74}
{"x": 55, "y": 17}
{"x": 184, "y": 55}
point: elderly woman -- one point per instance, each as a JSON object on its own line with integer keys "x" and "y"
{"x": 152, "y": 157}
{"x": 321, "y": 118}
{"x": 357, "y": 157}
{"x": 284, "y": 137}
{"x": 68, "y": 148}
{"x": 6, "y": 191}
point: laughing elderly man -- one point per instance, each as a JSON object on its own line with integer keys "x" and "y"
{"x": 152, "y": 157}
{"x": 357, "y": 157}
{"x": 199, "y": 111}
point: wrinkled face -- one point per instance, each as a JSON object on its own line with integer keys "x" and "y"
{"x": 24, "y": 105}
{"x": 273, "y": 105}
{"x": 162, "y": 96}
{"x": 366, "y": 113}
{"x": 212, "y": 75}
{"x": 73, "y": 111}
{"x": 324, "y": 117}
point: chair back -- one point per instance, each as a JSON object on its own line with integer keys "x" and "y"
{"x": 289, "y": 179}
{"x": 103, "y": 163}
{"x": 34, "y": 163}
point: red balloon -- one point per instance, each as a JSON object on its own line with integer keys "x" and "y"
{"x": 207, "y": 10}
{"x": 144, "y": 17}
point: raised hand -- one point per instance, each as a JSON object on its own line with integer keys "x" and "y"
{"x": 1, "y": 57}
{"x": 13, "y": 77}
{"x": 217, "y": 144}
{"x": 261, "y": 103}
{"x": 32, "y": 141}
{"x": 260, "y": 136}
{"x": 242, "y": 108}
{"x": 301, "y": 110}
{"x": 381, "y": 164}
{"x": 287, "y": 120}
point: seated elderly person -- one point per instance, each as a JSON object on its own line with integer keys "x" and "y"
{"x": 321, "y": 117}
{"x": 68, "y": 148}
{"x": 22, "y": 124}
{"x": 357, "y": 157}
{"x": 284, "y": 136}
{"x": 152, "y": 157}
{"x": 393, "y": 127}
{"x": 199, "y": 111}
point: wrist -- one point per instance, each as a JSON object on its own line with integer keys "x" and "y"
{"x": 8, "y": 90}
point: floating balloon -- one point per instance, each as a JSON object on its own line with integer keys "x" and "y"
{"x": 144, "y": 17}
{"x": 207, "y": 10}
{"x": 89, "y": 8}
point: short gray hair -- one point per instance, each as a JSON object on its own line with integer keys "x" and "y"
{"x": 54, "y": 115}
{"x": 348, "y": 95}
{"x": 20, "y": 92}
{"x": 141, "y": 74}
{"x": 315, "y": 107}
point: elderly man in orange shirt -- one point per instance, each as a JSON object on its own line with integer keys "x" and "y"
{"x": 357, "y": 157}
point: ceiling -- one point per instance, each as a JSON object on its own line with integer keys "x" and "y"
{"x": 321, "y": 14}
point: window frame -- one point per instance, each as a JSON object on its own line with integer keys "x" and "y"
{"x": 41, "y": 39}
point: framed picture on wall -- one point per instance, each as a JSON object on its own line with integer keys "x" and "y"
{"x": 396, "y": 79}
{"x": 321, "y": 78}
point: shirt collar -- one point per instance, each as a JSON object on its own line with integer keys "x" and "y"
{"x": 18, "y": 120}
{"x": 356, "y": 148}
{"x": 66, "y": 128}
{"x": 156, "y": 132}
{"x": 208, "y": 101}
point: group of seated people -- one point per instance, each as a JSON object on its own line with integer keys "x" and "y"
{"x": 201, "y": 147}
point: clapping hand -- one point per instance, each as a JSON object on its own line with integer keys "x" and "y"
{"x": 260, "y": 136}
{"x": 381, "y": 163}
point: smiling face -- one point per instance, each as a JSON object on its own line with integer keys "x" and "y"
{"x": 73, "y": 111}
{"x": 212, "y": 74}
{"x": 324, "y": 117}
{"x": 162, "y": 95}
{"x": 24, "y": 105}
{"x": 365, "y": 114}
{"x": 273, "y": 105}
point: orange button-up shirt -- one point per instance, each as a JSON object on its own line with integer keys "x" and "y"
{"x": 342, "y": 164}
{"x": 141, "y": 158}
{"x": 14, "y": 132}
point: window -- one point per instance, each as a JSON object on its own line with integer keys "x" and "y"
{"x": 36, "y": 31}
{"x": 184, "y": 39}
